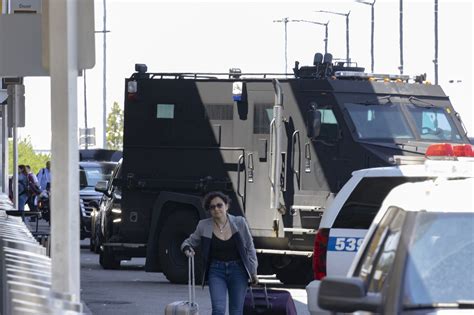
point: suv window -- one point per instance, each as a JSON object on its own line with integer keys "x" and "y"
{"x": 89, "y": 175}
{"x": 363, "y": 204}
{"x": 115, "y": 175}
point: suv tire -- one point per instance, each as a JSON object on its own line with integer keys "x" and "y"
{"x": 107, "y": 259}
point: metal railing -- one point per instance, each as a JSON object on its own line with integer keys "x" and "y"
{"x": 25, "y": 271}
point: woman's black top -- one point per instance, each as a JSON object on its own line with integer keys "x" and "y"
{"x": 224, "y": 250}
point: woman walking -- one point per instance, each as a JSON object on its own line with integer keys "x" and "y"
{"x": 228, "y": 254}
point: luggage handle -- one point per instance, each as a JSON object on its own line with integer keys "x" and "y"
{"x": 191, "y": 280}
{"x": 269, "y": 305}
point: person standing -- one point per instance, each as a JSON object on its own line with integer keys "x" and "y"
{"x": 33, "y": 188}
{"x": 44, "y": 176}
{"x": 228, "y": 254}
{"x": 22, "y": 187}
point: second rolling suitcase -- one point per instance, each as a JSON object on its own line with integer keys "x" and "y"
{"x": 262, "y": 301}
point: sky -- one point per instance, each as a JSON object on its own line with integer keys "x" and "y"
{"x": 213, "y": 36}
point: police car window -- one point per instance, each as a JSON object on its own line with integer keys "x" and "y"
{"x": 360, "y": 208}
{"x": 434, "y": 123}
{"x": 386, "y": 256}
{"x": 263, "y": 115}
{"x": 379, "y": 122}
{"x": 165, "y": 111}
{"x": 364, "y": 268}
{"x": 329, "y": 125}
{"x": 367, "y": 265}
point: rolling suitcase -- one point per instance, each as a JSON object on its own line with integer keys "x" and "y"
{"x": 189, "y": 307}
{"x": 263, "y": 301}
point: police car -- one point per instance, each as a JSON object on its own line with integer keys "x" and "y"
{"x": 346, "y": 221}
{"x": 417, "y": 256}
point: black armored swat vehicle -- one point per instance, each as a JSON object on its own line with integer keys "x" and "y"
{"x": 280, "y": 145}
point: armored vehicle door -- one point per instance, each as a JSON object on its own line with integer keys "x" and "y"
{"x": 226, "y": 121}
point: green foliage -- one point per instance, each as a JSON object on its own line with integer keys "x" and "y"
{"x": 27, "y": 156}
{"x": 115, "y": 128}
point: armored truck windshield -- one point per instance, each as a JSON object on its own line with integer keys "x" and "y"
{"x": 396, "y": 121}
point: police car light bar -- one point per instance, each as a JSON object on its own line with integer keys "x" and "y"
{"x": 447, "y": 150}
{"x": 372, "y": 76}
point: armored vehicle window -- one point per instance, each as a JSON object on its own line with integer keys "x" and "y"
{"x": 329, "y": 125}
{"x": 432, "y": 123}
{"x": 263, "y": 115}
{"x": 364, "y": 202}
{"x": 165, "y": 111}
{"x": 220, "y": 112}
{"x": 379, "y": 121}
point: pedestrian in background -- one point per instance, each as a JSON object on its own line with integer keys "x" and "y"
{"x": 33, "y": 188}
{"x": 228, "y": 253}
{"x": 44, "y": 176}
{"x": 22, "y": 187}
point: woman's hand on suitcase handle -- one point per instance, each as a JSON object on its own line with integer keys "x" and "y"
{"x": 189, "y": 251}
{"x": 254, "y": 280}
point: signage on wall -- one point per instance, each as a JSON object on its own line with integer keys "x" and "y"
{"x": 25, "y": 6}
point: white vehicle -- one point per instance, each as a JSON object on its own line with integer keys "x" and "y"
{"x": 417, "y": 256}
{"x": 346, "y": 221}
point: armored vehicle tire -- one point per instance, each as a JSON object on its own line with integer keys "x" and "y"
{"x": 107, "y": 259}
{"x": 298, "y": 272}
{"x": 178, "y": 226}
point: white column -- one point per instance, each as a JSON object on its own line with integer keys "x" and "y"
{"x": 5, "y": 165}
{"x": 65, "y": 249}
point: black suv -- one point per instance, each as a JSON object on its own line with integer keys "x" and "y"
{"x": 107, "y": 218}
{"x": 90, "y": 172}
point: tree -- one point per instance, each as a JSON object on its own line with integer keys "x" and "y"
{"x": 115, "y": 128}
{"x": 27, "y": 156}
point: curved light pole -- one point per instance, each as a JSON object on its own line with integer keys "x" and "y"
{"x": 371, "y": 32}
{"x": 318, "y": 23}
{"x": 348, "y": 59}
{"x": 285, "y": 20}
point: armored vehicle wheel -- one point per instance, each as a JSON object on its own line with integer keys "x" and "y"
{"x": 107, "y": 259}
{"x": 298, "y": 272}
{"x": 176, "y": 229}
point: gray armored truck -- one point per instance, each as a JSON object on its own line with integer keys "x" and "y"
{"x": 280, "y": 145}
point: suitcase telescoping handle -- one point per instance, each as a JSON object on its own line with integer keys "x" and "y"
{"x": 191, "y": 280}
{"x": 266, "y": 297}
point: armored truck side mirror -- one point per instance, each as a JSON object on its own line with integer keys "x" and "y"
{"x": 313, "y": 121}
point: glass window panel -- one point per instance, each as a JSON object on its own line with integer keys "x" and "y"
{"x": 165, "y": 111}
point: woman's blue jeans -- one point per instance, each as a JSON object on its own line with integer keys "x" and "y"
{"x": 227, "y": 276}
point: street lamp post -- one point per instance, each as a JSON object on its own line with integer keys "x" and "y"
{"x": 435, "y": 61}
{"x": 371, "y": 32}
{"x": 104, "y": 79}
{"x": 326, "y": 31}
{"x": 285, "y": 20}
{"x": 401, "y": 37}
{"x": 347, "y": 29}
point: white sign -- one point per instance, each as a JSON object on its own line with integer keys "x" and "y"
{"x": 25, "y": 6}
